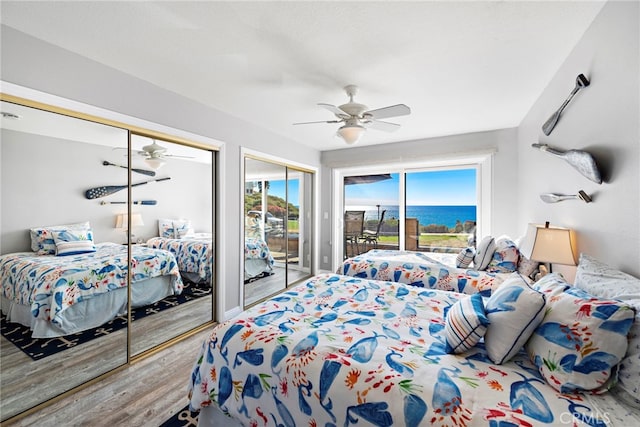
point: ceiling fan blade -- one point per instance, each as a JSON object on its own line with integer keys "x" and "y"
{"x": 335, "y": 110}
{"x": 391, "y": 111}
{"x": 322, "y": 121}
{"x": 380, "y": 125}
{"x": 176, "y": 156}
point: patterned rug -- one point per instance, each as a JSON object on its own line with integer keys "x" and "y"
{"x": 259, "y": 276}
{"x": 39, "y": 348}
{"x": 184, "y": 418}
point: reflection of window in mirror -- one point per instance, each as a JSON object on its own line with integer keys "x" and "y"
{"x": 277, "y": 212}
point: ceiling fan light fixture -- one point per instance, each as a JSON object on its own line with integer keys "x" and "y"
{"x": 154, "y": 162}
{"x": 351, "y": 133}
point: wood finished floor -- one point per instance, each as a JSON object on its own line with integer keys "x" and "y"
{"x": 146, "y": 393}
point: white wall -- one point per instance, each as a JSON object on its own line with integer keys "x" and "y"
{"x": 503, "y": 142}
{"x": 35, "y": 64}
{"x": 602, "y": 119}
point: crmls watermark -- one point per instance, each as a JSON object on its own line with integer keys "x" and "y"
{"x": 594, "y": 418}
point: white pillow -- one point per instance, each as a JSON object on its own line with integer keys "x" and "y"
{"x": 604, "y": 281}
{"x": 165, "y": 229}
{"x": 484, "y": 253}
{"x": 182, "y": 228}
{"x": 73, "y": 242}
{"x": 464, "y": 258}
{"x": 505, "y": 257}
{"x": 514, "y": 311}
{"x": 465, "y": 324}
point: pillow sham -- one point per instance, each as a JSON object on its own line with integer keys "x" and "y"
{"x": 70, "y": 242}
{"x": 465, "y": 324}
{"x": 484, "y": 253}
{"x": 182, "y": 228}
{"x": 514, "y": 311}
{"x": 165, "y": 229}
{"x": 42, "y": 241}
{"x": 505, "y": 257}
{"x": 580, "y": 340}
{"x": 551, "y": 284}
{"x": 603, "y": 281}
{"x": 464, "y": 258}
{"x": 527, "y": 267}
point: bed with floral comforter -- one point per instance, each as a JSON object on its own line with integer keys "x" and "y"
{"x": 419, "y": 269}
{"x": 342, "y": 351}
{"x": 49, "y": 286}
{"x": 257, "y": 257}
{"x": 194, "y": 254}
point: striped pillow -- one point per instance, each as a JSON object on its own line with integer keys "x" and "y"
{"x": 71, "y": 242}
{"x": 465, "y": 324}
{"x": 484, "y": 254}
{"x": 464, "y": 258}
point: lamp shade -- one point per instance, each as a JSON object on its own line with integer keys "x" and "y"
{"x": 351, "y": 133}
{"x": 549, "y": 244}
{"x": 122, "y": 219}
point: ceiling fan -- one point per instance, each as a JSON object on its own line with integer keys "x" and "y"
{"x": 155, "y": 155}
{"x": 357, "y": 118}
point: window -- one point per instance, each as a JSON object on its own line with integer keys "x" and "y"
{"x": 417, "y": 207}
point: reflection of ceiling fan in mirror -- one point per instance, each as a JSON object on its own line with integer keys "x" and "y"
{"x": 155, "y": 155}
{"x": 357, "y": 118}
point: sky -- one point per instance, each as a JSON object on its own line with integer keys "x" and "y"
{"x": 278, "y": 188}
{"x": 430, "y": 188}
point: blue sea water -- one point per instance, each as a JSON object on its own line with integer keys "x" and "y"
{"x": 440, "y": 215}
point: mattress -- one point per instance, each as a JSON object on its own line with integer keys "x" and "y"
{"x": 340, "y": 351}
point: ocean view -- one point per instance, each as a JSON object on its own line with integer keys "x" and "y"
{"x": 440, "y": 215}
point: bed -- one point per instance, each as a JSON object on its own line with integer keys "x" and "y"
{"x": 194, "y": 254}
{"x": 61, "y": 295}
{"x": 340, "y": 351}
{"x": 427, "y": 270}
{"x": 257, "y": 258}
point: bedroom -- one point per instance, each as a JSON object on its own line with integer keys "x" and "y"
{"x": 608, "y": 227}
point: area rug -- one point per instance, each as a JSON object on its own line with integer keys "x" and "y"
{"x": 39, "y": 348}
{"x": 184, "y": 418}
{"x": 259, "y": 276}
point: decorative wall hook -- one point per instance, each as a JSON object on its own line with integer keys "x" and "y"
{"x": 582, "y": 161}
{"x": 547, "y": 127}
{"x": 554, "y": 198}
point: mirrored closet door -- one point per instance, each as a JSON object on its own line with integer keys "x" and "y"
{"x": 278, "y": 227}
{"x": 106, "y": 248}
{"x": 63, "y": 306}
{"x": 171, "y": 213}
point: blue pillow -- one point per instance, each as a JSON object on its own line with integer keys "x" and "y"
{"x": 465, "y": 324}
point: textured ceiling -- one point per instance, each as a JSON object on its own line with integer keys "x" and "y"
{"x": 460, "y": 66}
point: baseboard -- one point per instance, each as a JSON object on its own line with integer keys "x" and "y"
{"x": 230, "y": 314}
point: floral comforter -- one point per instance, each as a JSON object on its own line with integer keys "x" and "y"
{"x": 342, "y": 351}
{"x": 418, "y": 269}
{"x": 256, "y": 248}
{"x": 194, "y": 255}
{"x": 50, "y": 284}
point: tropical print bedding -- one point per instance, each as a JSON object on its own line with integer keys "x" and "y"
{"x": 256, "y": 248}
{"x": 341, "y": 351}
{"x": 419, "y": 269}
{"x": 193, "y": 254}
{"x": 50, "y": 284}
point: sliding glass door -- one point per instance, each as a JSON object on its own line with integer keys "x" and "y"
{"x": 426, "y": 210}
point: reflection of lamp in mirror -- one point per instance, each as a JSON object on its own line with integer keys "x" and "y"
{"x": 121, "y": 223}
{"x": 154, "y": 162}
{"x": 547, "y": 244}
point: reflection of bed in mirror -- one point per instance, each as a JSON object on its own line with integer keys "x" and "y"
{"x": 257, "y": 258}
{"x": 194, "y": 254}
{"x": 59, "y": 295}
